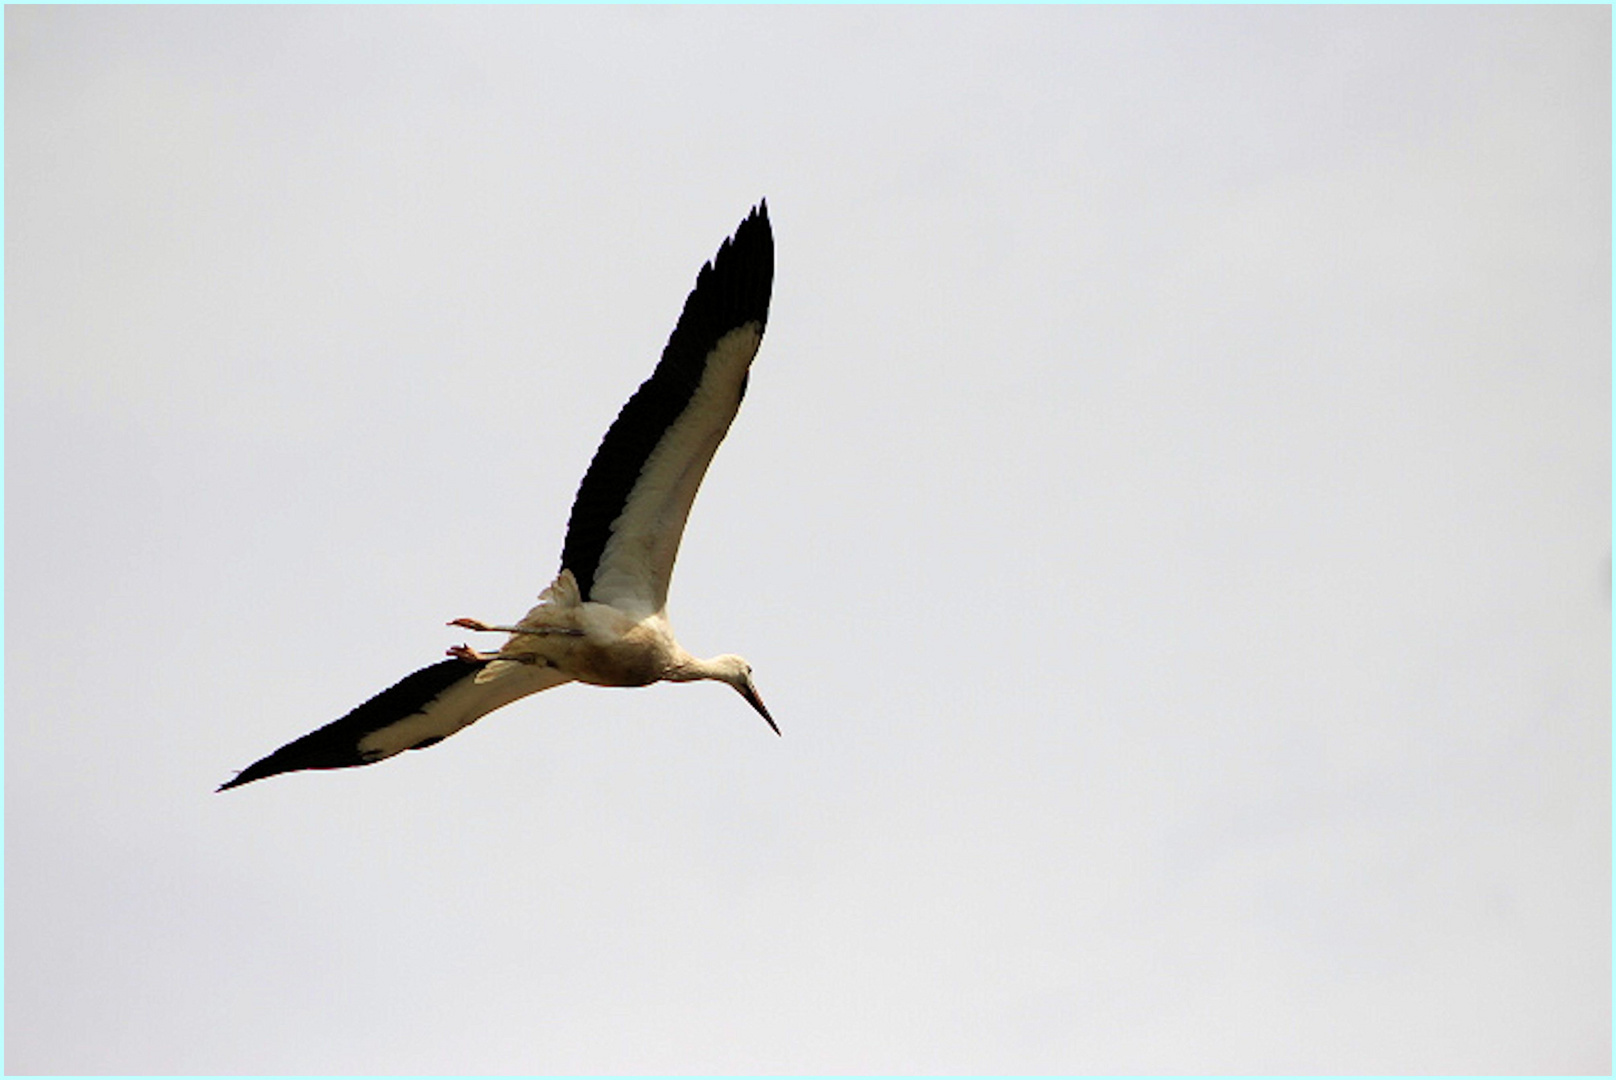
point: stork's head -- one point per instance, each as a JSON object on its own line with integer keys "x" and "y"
{"x": 738, "y": 673}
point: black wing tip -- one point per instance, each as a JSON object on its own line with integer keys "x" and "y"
{"x": 336, "y": 746}
{"x": 245, "y": 776}
{"x": 296, "y": 756}
{"x": 273, "y": 765}
{"x": 742, "y": 277}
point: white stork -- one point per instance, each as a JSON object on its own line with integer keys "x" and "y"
{"x": 604, "y": 619}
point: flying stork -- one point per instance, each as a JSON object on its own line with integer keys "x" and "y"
{"x": 603, "y": 620}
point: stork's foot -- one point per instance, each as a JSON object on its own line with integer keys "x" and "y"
{"x": 473, "y": 624}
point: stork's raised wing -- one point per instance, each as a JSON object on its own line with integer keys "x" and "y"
{"x": 419, "y": 710}
{"x": 631, "y": 508}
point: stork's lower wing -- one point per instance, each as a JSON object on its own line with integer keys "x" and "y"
{"x": 421, "y": 709}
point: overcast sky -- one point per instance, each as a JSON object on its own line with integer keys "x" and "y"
{"x": 1170, "y": 520}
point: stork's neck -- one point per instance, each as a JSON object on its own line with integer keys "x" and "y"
{"x": 687, "y": 668}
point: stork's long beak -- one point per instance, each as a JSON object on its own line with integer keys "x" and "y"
{"x": 749, "y": 692}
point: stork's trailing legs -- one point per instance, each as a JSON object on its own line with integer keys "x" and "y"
{"x": 533, "y": 631}
{"x": 472, "y": 656}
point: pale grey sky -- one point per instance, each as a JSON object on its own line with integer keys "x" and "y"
{"x": 1170, "y": 520}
